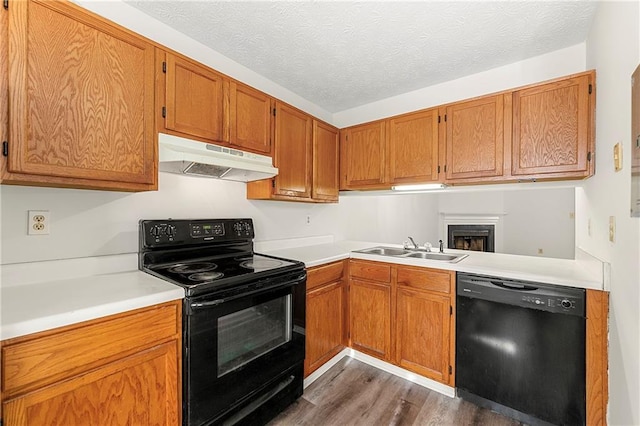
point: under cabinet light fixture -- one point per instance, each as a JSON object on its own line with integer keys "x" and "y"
{"x": 419, "y": 187}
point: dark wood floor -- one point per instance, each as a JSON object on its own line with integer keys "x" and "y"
{"x": 354, "y": 393}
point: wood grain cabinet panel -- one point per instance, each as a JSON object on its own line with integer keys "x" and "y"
{"x": 552, "y": 128}
{"x": 293, "y": 130}
{"x": 194, "y": 99}
{"x": 326, "y": 326}
{"x": 423, "y": 333}
{"x": 371, "y": 271}
{"x": 426, "y": 279}
{"x": 326, "y": 148}
{"x": 370, "y": 318}
{"x": 412, "y": 144}
{"x": 250, "y": 119}
{"x": 475, "y": 138}
{"x": 121, "y": 369}
{"x": 362, "y": 156}
{"x": 81, "y": 96}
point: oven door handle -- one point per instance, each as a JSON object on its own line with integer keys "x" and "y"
{"x": 216, "y": 302}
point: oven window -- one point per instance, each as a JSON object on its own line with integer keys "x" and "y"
{"x": 249, "y": 333}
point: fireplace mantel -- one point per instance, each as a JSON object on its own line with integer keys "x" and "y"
{"x": 495, "y": 219}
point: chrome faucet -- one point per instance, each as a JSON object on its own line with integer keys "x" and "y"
{"x": 413, "y": 242}
{"x": 441, "y": 246}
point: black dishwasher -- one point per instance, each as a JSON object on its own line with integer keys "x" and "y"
{"x": 520, "y": 348}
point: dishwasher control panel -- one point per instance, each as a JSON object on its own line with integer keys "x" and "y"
{"x": 526, "y": 294}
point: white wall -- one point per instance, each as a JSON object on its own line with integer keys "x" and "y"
{"x": 533, "y": 70}
{"x": 613, "y": 48}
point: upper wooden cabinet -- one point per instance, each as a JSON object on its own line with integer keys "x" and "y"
{"x": 250, "y": 119}
{"x": 325, "y": 162}
{"x": 293, "y": 130}
{"x": 362, "y": 156}
{"x": 474, "y": 138}
{"x": 412, "y": 146}
{"x": 81, "y": 97}
{"x": 552, "y": 132}
{"x": 194, "y": 101}
{"x": 306, "y": 155}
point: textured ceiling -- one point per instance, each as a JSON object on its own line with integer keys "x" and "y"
{"x": 340, "y": 55}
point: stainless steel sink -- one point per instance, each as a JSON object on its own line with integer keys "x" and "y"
{"x": 413, "y": 254}
{"x": 385, "y": 251}
{"x": 437, "y": 256}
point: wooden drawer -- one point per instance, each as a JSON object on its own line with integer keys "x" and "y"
{"x": 43, "y": 358}
{"x": 426, "y": 279}
{"x": 374, "y": 271}
{"x": 325, "y": 274}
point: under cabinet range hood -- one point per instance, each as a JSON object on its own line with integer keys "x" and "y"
{"x": 193, "y": 158}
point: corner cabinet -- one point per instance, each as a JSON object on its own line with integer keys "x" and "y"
{"x": 121, "y": 369}
{"x": 81, "y": 96}
{"x": 326, "y": 326}
{"x": 552, "y": 129}
{"x": 370, "y": 308}
{"x": 306, "y": 155}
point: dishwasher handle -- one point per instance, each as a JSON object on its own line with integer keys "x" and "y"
{"x": 512, "y": 286}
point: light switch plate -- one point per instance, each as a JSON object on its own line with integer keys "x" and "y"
{"x": 617, "y": 157}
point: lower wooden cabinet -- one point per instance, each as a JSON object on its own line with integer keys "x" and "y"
{"x": 404, "y": 315}
{"x": 326, "y": 324}
{"x": 121, "y": 369}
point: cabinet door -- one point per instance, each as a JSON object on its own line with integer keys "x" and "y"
{"x": 552, "y": 128}
{"x": 194, "y": 99}
{"x": 81, "y": 96}
{"x": 475, "y": 138}
{"x": 293, "y": 152}
{"x": 362, "y": 156}
{"x": 250, "y": 119}
{"x": 370, "y": 318}
{"x": 412, "y": 143}
{"x": 324, "y": 327}
{"x": 325, "y": 162}
{"x": 423, "y": 333}
{"x": 139, "y": 389}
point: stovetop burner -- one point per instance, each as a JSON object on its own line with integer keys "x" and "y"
{"x": 206, "y": 276}
{"x": 260, "y": 264}
{"x": 192, "y": 268}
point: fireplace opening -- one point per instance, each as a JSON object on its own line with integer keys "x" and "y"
{"x": 471, "y": 237}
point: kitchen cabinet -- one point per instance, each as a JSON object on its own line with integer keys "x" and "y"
{"x": 326, "y": 326}
{"x": 362, "y": 156}
{"x": 81, "y": 96}
{"x": 404, "y": 316}
{"x": 306, "y": 155}
{"x": 121, "y": 369}
{"x": 194, "y": 100}
{"x": 552, "y": 129}
{"x": 250, "y": 119}
{"x": 370, "y": 308}
{"x": 475, "y": 139}
{"x": 326, "y": 147}
{"x": 413, "y": 147}
{"x": 424, "y": 322}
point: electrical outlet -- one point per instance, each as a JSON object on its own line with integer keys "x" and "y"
{"x": 308, "y": 220}
{"x": 540, "y": 251}
{"x": 617, "y": 157}
{"x": 612, "y": 229}
{"x": 39, "y": 222}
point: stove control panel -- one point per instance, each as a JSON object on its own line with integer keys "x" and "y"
{"x": 156, "y": 233}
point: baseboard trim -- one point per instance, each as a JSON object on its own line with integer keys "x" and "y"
{"x": 384, "y": 366}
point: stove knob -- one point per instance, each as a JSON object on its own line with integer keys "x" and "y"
{"x": 171, "y": 230}
{"x": 566, "y": 303}
{"x": 155, "y": 230}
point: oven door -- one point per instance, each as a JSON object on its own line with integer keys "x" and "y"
{"x": 236, "y": 348}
